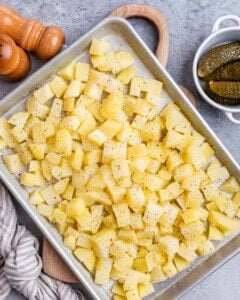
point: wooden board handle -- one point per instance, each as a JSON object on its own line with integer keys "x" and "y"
{"x": 157, "y": 18}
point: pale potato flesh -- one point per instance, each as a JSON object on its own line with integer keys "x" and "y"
{"x": 136, "y": 195}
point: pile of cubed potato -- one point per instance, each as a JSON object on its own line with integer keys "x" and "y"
{"x": 136, "y": 194}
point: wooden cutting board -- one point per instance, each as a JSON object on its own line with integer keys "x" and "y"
{"x": 53, "y": 265}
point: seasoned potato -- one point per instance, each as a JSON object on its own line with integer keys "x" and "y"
{"x": 137, "y": 195}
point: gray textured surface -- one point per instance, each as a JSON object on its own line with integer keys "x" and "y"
{"x": 189, "y": 23}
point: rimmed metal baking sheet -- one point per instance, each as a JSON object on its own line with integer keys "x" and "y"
{"x": 121, "y": 35}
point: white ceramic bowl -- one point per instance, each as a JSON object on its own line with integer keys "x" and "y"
{"x": 217, "y": 37}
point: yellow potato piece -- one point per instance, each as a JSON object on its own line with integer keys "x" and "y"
{"x": 137, "y": 195}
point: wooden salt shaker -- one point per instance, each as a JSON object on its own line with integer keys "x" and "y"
{"x": 14, "y": 62}
{"x": 31, "y": 35}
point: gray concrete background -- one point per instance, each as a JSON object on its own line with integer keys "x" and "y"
{"x": 189, "y": 23}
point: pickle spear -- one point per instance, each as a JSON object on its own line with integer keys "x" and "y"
{"x": 221, "y": 100}
{"x": 229, "y": 72}
{"x": 226, "y": 89}
{"x": 217, "y": 57}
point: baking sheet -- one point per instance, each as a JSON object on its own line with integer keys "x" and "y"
{"x": 121, "y": 35}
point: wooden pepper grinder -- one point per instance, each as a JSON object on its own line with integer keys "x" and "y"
{"x": 14, "y": 62}
{"x": 31, "y": 35}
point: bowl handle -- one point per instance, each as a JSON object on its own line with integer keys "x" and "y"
{"x": 220, "y": 20}
{"x": 231, "y": 118}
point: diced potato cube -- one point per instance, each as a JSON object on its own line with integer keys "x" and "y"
{"x": 190, "y": 215}
{"x": 152, "y": 213}
{"x": 97, "y": 217}
{"x": 223, "y": 222}
{"x": 103, "y": 269}
{"x": 135, "y": 199}
{"x": 82, "y": 71}
{"x": 36, "y": 108}
{"x": 126, "y": 75}
{"x": 140, "y": 164}
{"x": 93, "y": 90}
{"x": 97, "y": 137}
{"x": 192, "y": 230}
{"x": 68, "y": 193}
{"x": 86, "y": 256}
{"x": 81, "y": 112}
{"x": 183, "y": 171}
{"x": 145, "y": 289}
{"x": 68, "y": 71}
{"x": 187, "y": 252}
{"x": 19, "y": 119}
{"x": 24, "y": 153}
{"x": 157, "y": 274}
{"x": 114, "y": 150}
{"x": 13, "y": 162}
{"x": 230, "y": 185}
{"x": 153, "y": 182}
{"x": 169, "y": 245}
{"x": 100, "y": 62}
{"x": 43, "y": 94}
{"x": 84, "y": 240}
{"x": 152, "y": 85}
{"x": 28, "y": 179}
{"x": 169, "y": 214}
{"x": 216, "y": 172}
{"x": 77, "y": 159}
{"x": 124, "y": 58}
{"x": 210, "y": 192}
{"x": 37, "y": 150}
{"x": 74, "y": 89}
{"x": 136, "y": 86}
{"x": 136, "y": 221}
{"x": 69, "y": 242}
{"x": 87, "y": 126}
{"x": 120, "y": 168}
{"x": 84, "y": 220}
{"x": 59, "y": 216}
{"x": 170, "y": 269}
{"x": 123, "y": 263}
{"x": 68, "y": 104}
{"x": 45, "y": 210}
{"x": 61, "y": 185}
{"x": 50, "y": 196}
{"x": 152, "y": 98}
{"x": 98, "y": 47}
{"x": 102, "y": 241}
{"x": 205, "y": 248}
{"x": 215, "y": 234}
{"x": 58, "y": 86}
{"x": 56, "y": 108}
{"x": 122, "y": 214}
{"x": 180, "y": 263}
{"x": 207, "y": 150}
{"x": 110, "y": 128}
{"x": 194, "y": 156}
{"x": 75, "y": 207}
{"x": 151, "y": 132}
{"x": 6, "y": 134}
{"x": 35, "y": 198}
{"x": 113, "y": 62}
{"x": 64, "y": 142}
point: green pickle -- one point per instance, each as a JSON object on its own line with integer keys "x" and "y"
{"x": 228, "y": 89}
{"x": 221, "y": 100}
{"x": 218, "y": 57}
{"x": 229, "y": 72}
